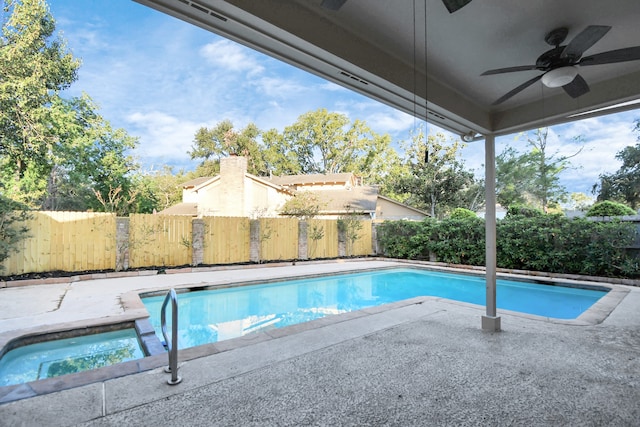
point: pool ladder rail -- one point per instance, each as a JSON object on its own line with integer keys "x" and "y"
{"x": 172, "y": 345}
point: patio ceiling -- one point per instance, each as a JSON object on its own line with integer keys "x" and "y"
{"x": 377, "y": 48}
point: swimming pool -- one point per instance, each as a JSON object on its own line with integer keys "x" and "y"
{"x": 53, "y": 358}
{"x": 207, "y": 316}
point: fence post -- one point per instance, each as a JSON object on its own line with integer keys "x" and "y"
{"x": 303, "y": 248}
{"x": 197, "y": 241}
{"x": 342, "y": 241}
{"x": 122, "y": 243}
{"x": 374, "y": 238}
{"x": 254, "y": 240}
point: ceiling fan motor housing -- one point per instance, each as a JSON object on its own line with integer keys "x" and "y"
{"x": 553, "y": 59}
{"x": 557, "y": 36}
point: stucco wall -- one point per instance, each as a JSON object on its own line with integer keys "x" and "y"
{"x": 262, "y": 199}
{"x": 209, "y": 201}
{"x": 386, "y": 210}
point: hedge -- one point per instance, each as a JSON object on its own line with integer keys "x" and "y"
{"x": 550, "y": 243}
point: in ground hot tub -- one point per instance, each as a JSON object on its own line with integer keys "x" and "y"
{"x": 30, "y": 361}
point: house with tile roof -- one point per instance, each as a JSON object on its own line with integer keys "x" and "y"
{"x": 235, "y": 192}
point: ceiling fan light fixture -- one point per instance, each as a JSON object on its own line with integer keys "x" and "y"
{"x": 560, "y": 76}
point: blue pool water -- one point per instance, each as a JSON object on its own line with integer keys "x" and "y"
{"x": 69, "y": 355}
{"x": 215, "y": 315}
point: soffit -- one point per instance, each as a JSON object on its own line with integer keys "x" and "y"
{"x": 377, "y": 48}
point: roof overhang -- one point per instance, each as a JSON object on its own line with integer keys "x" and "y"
{"x": 418, "y": 58}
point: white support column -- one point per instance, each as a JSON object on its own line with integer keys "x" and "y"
{"x": 490, "y": 322}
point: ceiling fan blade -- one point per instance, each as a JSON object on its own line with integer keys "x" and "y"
{"x": 520, "y": 88}
{"x": 583, "y": 41}
{"x": 577, "y": 87}
{"x": 612, "y": 56}
{"x": 332, "y": 4}
{"x": 509, "y": 70}
{"x": 453, "y": 5}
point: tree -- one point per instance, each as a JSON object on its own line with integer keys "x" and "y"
{"x": 580, "y": 201}
{"x": 318, "y": 142}
{"x": 533, "y": 177}
{"x": 324, "y": 142}
{"x": 92, "y": 167}
{"x": 210, "y": 144}
{"x": 624, "y": 184}
{"x": 546, "y": 184}
{"x": 513, "y": 177}
{"x": 609, "y": 208}
{"x": 163, "y": 188}
{"x": 305, "y": 205}
{"x": 279, "y": 155}
{"x": 434, "y": 178}
{"x": 34, "y": 68}
{"x": 55, "y": 153}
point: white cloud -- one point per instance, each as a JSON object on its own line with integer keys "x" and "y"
{"x": 231, "y": 56}
{"x": 379, "y": 117}
{"x": 281, "y": 88}
{"x": 333, "y": 87}
{"x": 164, "y": 139}
{"x": 391, "y": 121}
{"x": 602, "y": 138}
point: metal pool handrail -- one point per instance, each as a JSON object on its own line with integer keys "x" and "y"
{"x": 173, "y": 345}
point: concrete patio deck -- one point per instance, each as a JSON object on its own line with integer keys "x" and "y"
{"x": 423, "y": 361}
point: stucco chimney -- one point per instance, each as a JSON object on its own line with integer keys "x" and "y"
{"x": 233, "y": 165}
{"x": 232, "y": 172}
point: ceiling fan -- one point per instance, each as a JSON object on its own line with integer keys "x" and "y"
{"x": 451, "y": 5}
{"x": 560, "y": 64}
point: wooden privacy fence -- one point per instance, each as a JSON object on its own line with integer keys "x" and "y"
{"x": 65, "y": 241}
{"x": 159, "y": 240}
{"x": 82, "y": 241}
{"x": 278, "y": 238}
{"x": 322, "y": 238}
{"x": 226, "y": 240}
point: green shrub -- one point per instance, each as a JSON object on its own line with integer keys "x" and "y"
{"x": 13, "y": 229}
{"x": 609, "y": 208}
{"x": 405, "y": 239}
{"x": 556, "y": 244}
{"x": 459, "y": 241}
{"x": 539, "y": 242}
{"x": 456, "y": 241}
{"x": 525, "y": 211}
{"x": 524, "y": 242}
{"x": 459, "y": 213}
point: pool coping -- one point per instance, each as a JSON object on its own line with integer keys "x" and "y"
{"x": 222, "y": 267}
{"x": 597, "y": 313}
{"x": 134, "y": 311}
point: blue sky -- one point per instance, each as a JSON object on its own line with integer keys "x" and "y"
{"x": 161, "y": 79}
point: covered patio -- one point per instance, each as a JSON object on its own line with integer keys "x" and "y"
{"x": 480, "y": 68}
